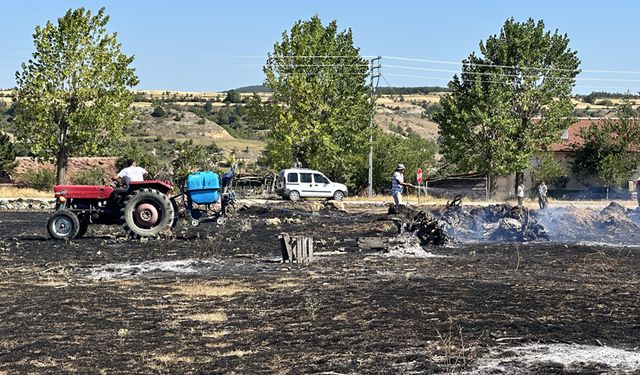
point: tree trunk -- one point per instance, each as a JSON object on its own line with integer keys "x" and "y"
{"x": 519, "y": 177}
{"x": 488, "y": 187}
{"x": 61, "y": 166}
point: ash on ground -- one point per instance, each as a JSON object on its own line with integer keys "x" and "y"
{"x": 504, "y": 223}
{"x": 119, "y": 271}
{"x": 561, "y": 358}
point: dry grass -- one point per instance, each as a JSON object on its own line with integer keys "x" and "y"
{"x": 172, "y": 358}
{"x": 15, "y": 192}
{"x": 202, "y": 289}
{"x": 215, "y": 335}
{"x": 235, "y": 353}
{"x": 216, "y": 317}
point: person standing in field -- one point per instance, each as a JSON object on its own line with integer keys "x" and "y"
{"x": 398, "y": 184}
{"x": 542, "y": 195}
{"x": 520, "y": 193}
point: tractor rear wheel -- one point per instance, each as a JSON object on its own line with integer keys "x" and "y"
{"x": 146, "y": 213}
{"x": 63, "y": 225}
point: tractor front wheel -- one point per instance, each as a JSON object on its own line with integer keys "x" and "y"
{"x": 147, "y": 212}
{"x": 63, "y": 225}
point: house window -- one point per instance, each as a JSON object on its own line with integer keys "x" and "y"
{"x": 565, "y": 134}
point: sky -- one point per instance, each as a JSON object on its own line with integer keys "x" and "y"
{"x": 192, "y": 45}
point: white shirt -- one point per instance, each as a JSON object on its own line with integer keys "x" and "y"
{"x": 132, "y": 174}
{"x": 542, "y": 190}
{"x": 396, "y": 181}
{"x": 521, "y": 191}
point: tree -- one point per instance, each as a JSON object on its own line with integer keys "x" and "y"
{"x": 320, "y": 109}
{"x": 158, "y": 111}
{"x": 232, "y": 97}
{"x": 548, "y": 169}
{"x": 208, "y": 106}
{"x": 390, "y": 149}
{"x": 7, "y": 154}
{"x": 511, "y": 102}
{"x": 73, "y": 94}
{"x": 610, "y": 147}
{"x": 190, "y": 158}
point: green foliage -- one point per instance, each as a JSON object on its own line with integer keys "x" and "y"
{"x": 145, "y": 159}
{"x": 591, "y": 98}
{"x": 91, "y": 176}
{"x": 208, "y": 106}
{"x": 320, "y": 110}
{"x": 191, "y": 158}
{"x": 389, "y": 150}
{"x": 610, "y": 146}
{"x": 42, "y": 179}
{"x": 158, "y": 111}
{"x": 511, "y": 102}
{"x": 550, "y": 170}
{"x": 605, "y": 102}
{"x": 73, "y": 94}
{"x": 232, "y": 97}
{"x": 7, "y": 153}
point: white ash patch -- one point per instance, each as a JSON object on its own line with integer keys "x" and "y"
{"x": 607, "y": 244}
{"x": 116, "y": 271}
{"x": 407, "y": 246}
{"x": 517, "y": 359}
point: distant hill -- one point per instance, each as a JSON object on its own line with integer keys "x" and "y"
{"x": 252, "y": 89}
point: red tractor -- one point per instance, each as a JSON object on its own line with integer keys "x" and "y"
{"x": 144, "y": 209}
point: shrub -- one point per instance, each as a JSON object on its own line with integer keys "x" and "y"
{"x": 232, "y": 97}
{"x": 605, "y": 102}
{"x": 91, "y": 176}
{"x": 7, "y": 153}
{"x": 202, "y": 121}
{"x": 158, "y": 112}
{"x": 42, "y": 179}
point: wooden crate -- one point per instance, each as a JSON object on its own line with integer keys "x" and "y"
{"x": 296, "y": 249}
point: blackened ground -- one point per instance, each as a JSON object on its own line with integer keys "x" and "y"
{"x": 347, "y": 312}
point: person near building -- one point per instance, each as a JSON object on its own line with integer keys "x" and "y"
{"x": 542, "y": 195}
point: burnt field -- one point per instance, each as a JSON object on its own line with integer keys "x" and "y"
{"x": 218, "y": 300}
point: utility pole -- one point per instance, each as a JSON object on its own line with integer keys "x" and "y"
{"x": 374, "y": 76}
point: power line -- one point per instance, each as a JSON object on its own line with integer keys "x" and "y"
{"x": 514, "y": 66}
{"x": 486, "y": 81}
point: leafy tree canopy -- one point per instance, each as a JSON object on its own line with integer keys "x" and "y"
{"x": 510, "y": 102}
{"x": 73, "y": 94}
{"x": 610, "y": 148}
{"x": 320, "y": 109}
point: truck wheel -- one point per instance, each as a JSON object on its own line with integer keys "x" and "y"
{"x": 63, "y": 225}
{"x": 338, "y": 196}
{"x": 294, "y": 196}
{"x": 146, "y": 213}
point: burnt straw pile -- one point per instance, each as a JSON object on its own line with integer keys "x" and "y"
{"x": 505, "y": 223}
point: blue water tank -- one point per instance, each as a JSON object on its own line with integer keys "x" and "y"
{"x": 203, "y": 187}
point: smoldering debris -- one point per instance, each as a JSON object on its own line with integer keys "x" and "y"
{"x": 505, "y": 223}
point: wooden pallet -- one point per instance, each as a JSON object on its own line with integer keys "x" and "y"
{"x": 296, "y": 249}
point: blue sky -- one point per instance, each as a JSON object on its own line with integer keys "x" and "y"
{"x": 219, "y": 45}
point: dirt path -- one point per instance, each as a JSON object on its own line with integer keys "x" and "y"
{"x": 214, "y": 300}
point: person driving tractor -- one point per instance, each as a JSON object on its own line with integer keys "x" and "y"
{"x": 132, "y": 173}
